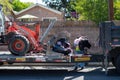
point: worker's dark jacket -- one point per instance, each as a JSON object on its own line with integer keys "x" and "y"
{"x": 84, "y": 43}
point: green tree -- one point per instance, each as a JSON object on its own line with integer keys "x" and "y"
{"x": 60, "y": 5}
{"x": 117, "y": 9}
{"x": 7, "y": 7}
{"x": 95, "y": 10}
{"x": 18, "y": 6}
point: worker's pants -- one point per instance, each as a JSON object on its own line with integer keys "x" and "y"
{"x": 82, "y": 64}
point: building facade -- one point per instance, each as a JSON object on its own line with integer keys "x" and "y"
{"x": 42, "y": 13}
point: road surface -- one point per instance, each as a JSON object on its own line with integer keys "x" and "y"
{"x": 90, "y": 73}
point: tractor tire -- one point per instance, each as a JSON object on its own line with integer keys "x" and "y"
{"x": 18, "y": 45}
{"x": 118, "y": 64}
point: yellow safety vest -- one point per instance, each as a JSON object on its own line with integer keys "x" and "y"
{"x": 77, "y": 48}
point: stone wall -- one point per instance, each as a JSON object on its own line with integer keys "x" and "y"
{"x": 76, "y": 28}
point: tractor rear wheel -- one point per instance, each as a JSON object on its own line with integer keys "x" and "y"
{"x": 18, "y": 45}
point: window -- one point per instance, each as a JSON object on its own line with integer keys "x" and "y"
{"x": 48, "y": 19}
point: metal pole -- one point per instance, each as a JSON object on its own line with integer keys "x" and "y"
{"x": 47, "y": 30}
{"x": 106, "y": 62}
{"x": 110, "y": 10}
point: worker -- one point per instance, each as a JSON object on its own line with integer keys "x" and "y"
{"x": 76, "y": 47}
{"x": 80, "y": 43}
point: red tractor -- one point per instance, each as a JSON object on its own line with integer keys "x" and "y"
{"x": 20, "y": 39}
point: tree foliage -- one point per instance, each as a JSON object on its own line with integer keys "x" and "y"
{"x": 95, "y": 10}
{"x": 117, "y": 9}
{"x": 6, "y": 6}
{"x": 57, "y": 4}
{"x": 60, "y": 5}
{"x": 18, "y": 6}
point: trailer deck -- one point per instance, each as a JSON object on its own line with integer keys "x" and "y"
{"x": 6, "y": 56}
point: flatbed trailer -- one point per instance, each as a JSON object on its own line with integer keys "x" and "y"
{"x": 7, "y": 57}
{"x": 49, "y": 61}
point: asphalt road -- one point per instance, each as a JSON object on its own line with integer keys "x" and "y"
{"x": 90, "y": 73}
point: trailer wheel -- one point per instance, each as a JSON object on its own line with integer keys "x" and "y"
{"x": 118, "y": 64}
{"x": 18, "y": 45}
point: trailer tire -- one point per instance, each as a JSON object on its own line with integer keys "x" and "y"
{"x": 18, "y": 45}
{"x": 118, "y": 64}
